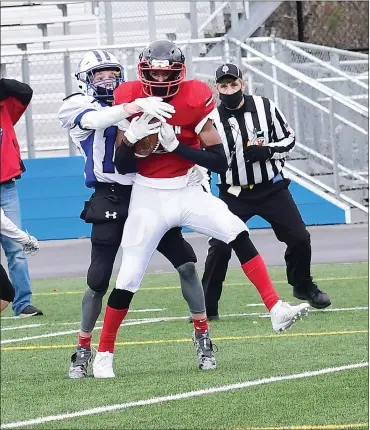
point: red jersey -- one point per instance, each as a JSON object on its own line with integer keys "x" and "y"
{"x": 193, "y": 103}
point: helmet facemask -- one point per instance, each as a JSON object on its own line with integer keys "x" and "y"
{"x": 102, "y": 89}
{"x": 167, "y": 88}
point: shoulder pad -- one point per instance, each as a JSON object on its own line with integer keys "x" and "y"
{"x": 127, "y": 92}
{"x": 72, "y": 95}
{"x": 79, "y": 99}
{"x": 198, "y": 93}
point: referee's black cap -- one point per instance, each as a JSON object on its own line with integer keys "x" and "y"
{"x": 228, "y": 69}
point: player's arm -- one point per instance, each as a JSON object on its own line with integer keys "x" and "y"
{"x": 213, "y": 156}
{"x": 89, "y": 118}
{"x": 124, "y": 155}
{"x": 9, "y": 229}
{"x": 16, "y": 95}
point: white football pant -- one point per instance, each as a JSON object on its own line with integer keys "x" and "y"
{"x": 153, "y": 212}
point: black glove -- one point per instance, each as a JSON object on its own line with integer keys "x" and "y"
{"x": 255, "y": 153}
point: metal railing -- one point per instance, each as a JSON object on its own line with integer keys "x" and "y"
{"x": 324, "y": 119}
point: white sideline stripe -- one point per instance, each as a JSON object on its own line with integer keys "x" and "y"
{"x": 164, "y": 319}
{"x": 130, "y": 312}
{"x": 187, "y": 395}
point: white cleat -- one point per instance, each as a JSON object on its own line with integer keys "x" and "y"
{"x": 103, "y": 365}
{"x": 283, "y": 315}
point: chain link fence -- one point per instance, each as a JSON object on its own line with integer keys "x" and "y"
{"x": 331, "y": 128}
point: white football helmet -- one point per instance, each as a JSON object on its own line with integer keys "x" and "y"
{"x": 90, "y": 63}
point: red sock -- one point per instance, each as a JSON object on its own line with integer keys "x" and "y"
{"x": 201, "y": 326}
{"x": 112, "y": 320}
{"x": 85, "y": 342}
{"x": 256, "y": 271}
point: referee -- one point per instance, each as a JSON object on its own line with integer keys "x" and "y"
{"x": 257, "y": 139}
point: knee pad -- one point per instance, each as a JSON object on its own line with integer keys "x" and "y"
{"x": 243, "y": 247}
{"x": 97, "y": 280}
{"x": 176, "y": 249}
{"x": 120, "y": 299}
{"x": 221, "y": 248}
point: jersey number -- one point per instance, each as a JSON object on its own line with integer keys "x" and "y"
{"x": 110, "y": 138}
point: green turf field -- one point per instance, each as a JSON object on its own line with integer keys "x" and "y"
{"x": 323, "y": 360}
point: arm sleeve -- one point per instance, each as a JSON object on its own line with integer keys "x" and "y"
{"x": 81, "y": 111}
{"x": 124, "y": 159}
{"x": 9, "y": 229}
{"x": 212, "y": 157}
{"x": 102, "y": 119}
{"x": 282, "y": 134}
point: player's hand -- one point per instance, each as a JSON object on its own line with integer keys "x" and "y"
{"x": 32, "y": 246}
{"x": 140, "y": 127}
{"x": 167, "y": 137}
{"x": 156, "y": 107}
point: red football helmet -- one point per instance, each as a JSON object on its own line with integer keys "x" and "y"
{"x": 161, "y": 56}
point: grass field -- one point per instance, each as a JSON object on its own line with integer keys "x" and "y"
{"x": 322, "y": 359}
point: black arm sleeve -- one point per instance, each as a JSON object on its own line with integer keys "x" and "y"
{"x": 124, "y": 159}
{"x": 213, "y": 157}
{"x": 13, "y": 88}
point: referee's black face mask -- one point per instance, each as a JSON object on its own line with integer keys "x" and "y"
{"x": 232, "y": 101}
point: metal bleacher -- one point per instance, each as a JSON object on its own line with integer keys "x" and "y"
{"x": 43, "y": 24}
{"x": 37, "y": 28}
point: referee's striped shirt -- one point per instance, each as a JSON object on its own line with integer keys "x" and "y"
{"x": 257, "y": 122}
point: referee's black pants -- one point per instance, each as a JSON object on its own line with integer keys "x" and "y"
{"x": 274, "y": 203}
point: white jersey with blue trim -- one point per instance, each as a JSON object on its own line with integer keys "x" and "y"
{"x": 97, "y": 146}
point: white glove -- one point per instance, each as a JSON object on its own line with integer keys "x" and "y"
{"x": 32, "y": 246}
{"x": 167, "y": 137}
{"x": 140, "y": 127}
{"x": 156, "y": 107}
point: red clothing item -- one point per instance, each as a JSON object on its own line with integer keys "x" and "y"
{"x": 193, "y": 102}
{"x": 14, "y": 99}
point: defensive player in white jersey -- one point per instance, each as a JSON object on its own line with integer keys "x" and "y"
{"x": 163, "y": 196}
{"x": 91, "y": 121}
{"x": 30, "y": 246}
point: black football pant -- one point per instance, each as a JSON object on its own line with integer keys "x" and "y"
{"x": 106, "y": 239}
{"x": 7, "y": 291}
{"x": 279, "y": 209}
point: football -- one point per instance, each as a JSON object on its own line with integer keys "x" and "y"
{"x": 148, "y": 144}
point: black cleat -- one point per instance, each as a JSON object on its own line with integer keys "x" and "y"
{"x": 313, "y": 295}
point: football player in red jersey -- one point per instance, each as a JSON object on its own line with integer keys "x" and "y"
{"x": 165, "y": 195}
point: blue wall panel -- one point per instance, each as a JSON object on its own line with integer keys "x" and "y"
{"x": 52, "y": 193}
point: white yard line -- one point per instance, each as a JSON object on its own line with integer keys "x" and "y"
{"x": 181, "y": 396}
{"x": 63, "y": 333}
{"x": 131, "y": 311}
{"x": 17, "y": 327}
{"x": 154, "y": 320}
